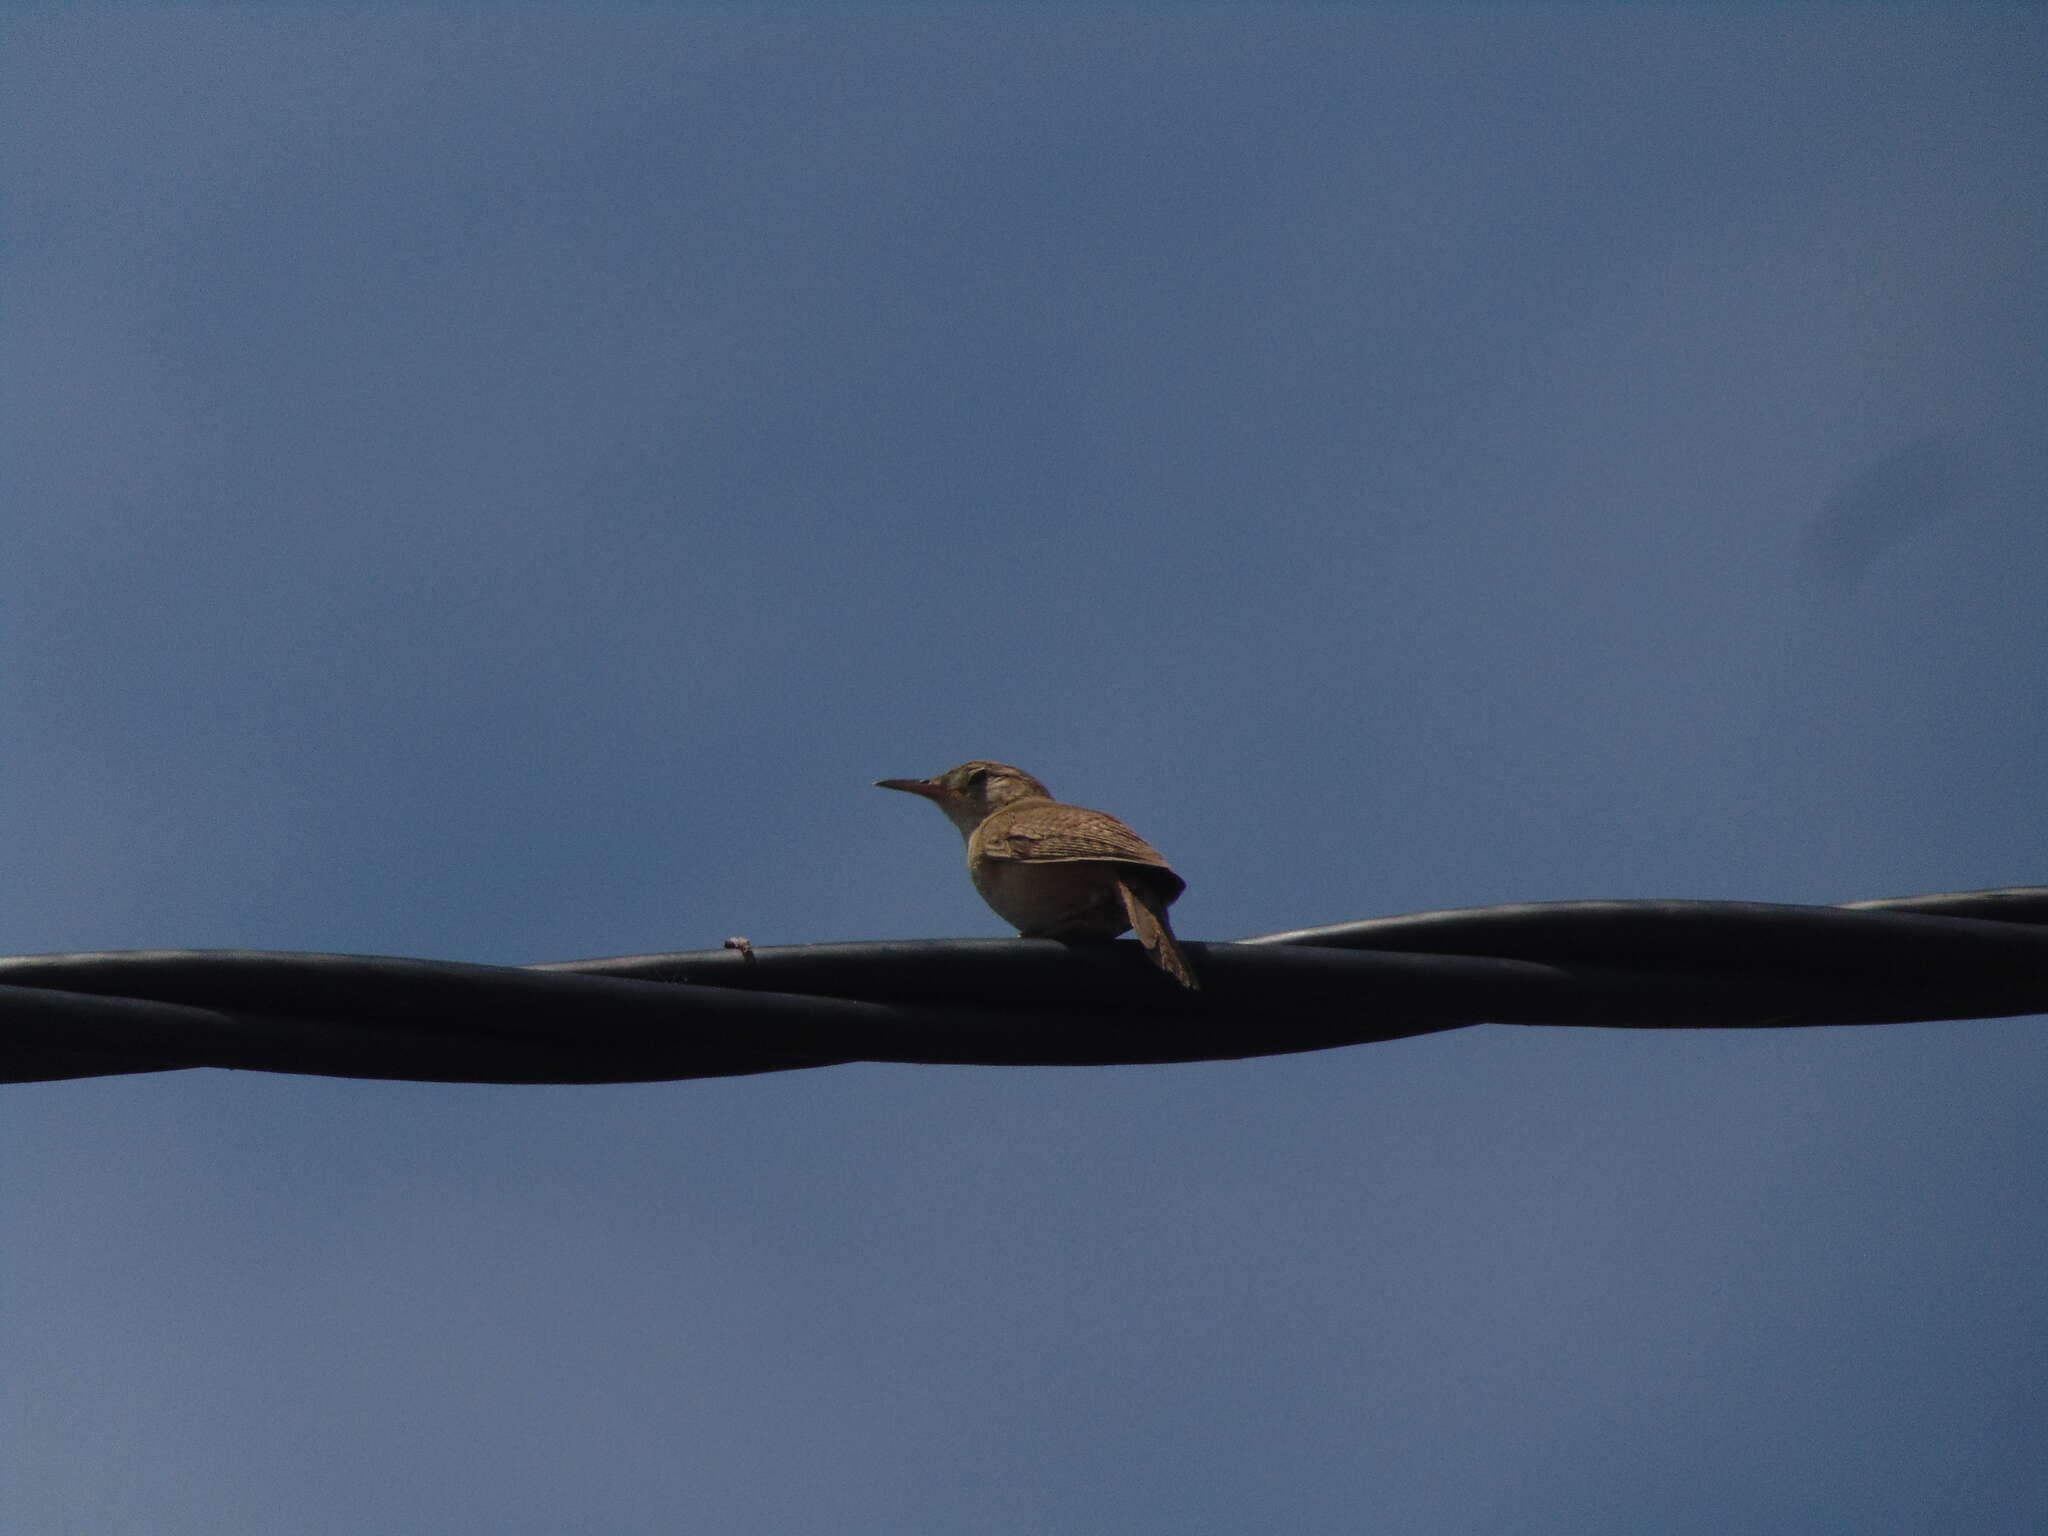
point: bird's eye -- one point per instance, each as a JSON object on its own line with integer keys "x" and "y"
{"x": 977, "y": 776}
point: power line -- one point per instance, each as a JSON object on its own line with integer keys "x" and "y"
{"x": 1018, "y": 1002}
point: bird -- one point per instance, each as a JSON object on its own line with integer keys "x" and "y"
{"x": 1056, "y": 871}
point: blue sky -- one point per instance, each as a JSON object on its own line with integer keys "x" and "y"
{"x": 499, "y": 484}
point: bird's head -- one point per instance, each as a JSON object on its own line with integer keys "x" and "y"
{"x": 967, "y": 794}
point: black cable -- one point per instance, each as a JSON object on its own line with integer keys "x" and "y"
{"x": 1620, "y": 964}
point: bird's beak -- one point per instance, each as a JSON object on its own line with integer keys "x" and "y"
{"x": 923, "y": 787}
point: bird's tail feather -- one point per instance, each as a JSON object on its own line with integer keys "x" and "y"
{"x": 1153, "y": 931}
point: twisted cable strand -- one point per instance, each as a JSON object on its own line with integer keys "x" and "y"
{"x": 1613, "y": 964}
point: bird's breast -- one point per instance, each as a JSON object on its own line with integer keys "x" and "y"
{"x": 1052, "y": 898}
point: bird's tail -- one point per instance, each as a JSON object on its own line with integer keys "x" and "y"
{"x": 1149, "y": 924}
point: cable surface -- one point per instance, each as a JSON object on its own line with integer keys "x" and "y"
{"x": 1021, "y": 1002}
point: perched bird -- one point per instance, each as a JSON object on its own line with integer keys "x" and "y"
{"x": 1056, "y": 871}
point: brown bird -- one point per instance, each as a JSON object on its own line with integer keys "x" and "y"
{"x": 1056, "y": 871}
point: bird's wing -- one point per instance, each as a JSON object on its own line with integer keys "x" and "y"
{"x": 1053, "y": 833}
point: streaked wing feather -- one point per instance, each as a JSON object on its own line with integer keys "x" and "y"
{"x": 1092, "y": 843}
{"x": 1044, "y": 834}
